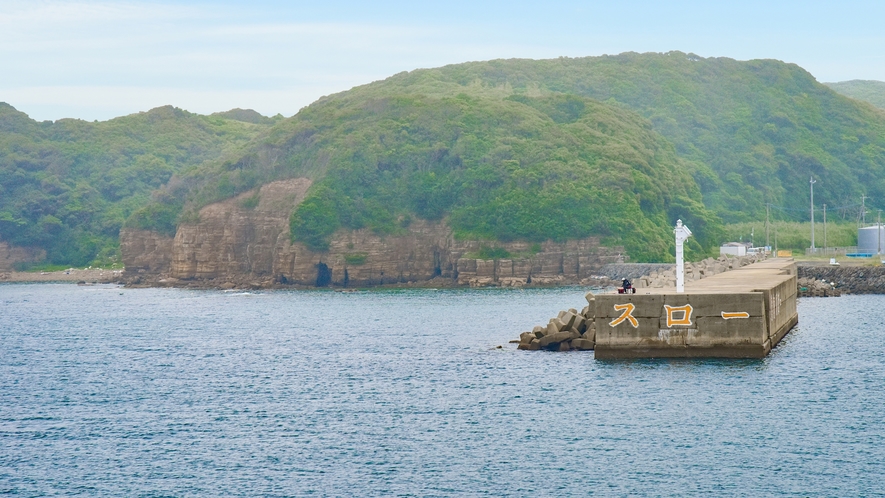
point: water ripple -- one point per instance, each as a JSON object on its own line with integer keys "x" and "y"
{"x": 162, "y": 392}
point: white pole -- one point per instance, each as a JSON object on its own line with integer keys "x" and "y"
{"x": 682, "y": 234}
{"x": 812, "y": 214}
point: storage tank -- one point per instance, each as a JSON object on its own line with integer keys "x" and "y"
{"x": 871, "y": 240}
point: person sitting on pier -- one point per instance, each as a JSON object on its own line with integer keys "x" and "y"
{"x": 627, "y": 286}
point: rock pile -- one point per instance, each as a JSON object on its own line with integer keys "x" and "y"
{"x": 809, "y": 287}
{"x": 569, "y": 330}
{"x": 846, "y": 279}
{"x": 666, "y": 277}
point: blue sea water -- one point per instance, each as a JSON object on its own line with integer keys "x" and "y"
{"x": 107, "y": 391}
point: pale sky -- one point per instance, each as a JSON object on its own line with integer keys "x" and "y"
{"x": 101, "y": 59}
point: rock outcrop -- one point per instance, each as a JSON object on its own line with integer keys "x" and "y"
{"x": 12, "y": 255}
{"x": 240, "y": 237}
{"x": 245, "y": 241}
{"x": 145, "y": 252}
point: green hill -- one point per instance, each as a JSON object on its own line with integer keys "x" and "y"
{"x": 505, "y": 149}
{"x": 532, "y": 168}
{"x": 618, "y": 146}
{"x": 866, "y": 90}
{"x": 67, "y": 186}
{"x": 753, "y": 132}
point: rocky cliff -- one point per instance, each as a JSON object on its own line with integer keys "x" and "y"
{"x": 12, "y": 255}
{"x": 245, "y": 241}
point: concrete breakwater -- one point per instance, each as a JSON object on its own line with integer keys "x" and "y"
{"x": 666, "y": 276}
{"x": 735, "y": 314}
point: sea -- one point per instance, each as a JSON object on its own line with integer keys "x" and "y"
{"x": 109, "y": 391}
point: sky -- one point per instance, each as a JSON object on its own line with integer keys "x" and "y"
{"x": 101, "y": 59}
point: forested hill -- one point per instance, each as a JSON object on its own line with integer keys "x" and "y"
{"x": 866, "y": 90}
{"x": 617, "y": 146}
{"x": 752, "y": 131}
{"x": 67, "y": 186}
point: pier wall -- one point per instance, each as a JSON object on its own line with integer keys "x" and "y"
{"x": 743, "y": 313}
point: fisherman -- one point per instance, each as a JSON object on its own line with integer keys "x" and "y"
{"x": 627, "y": 286}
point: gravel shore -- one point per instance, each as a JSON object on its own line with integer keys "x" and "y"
{"x": 89, "y": 275}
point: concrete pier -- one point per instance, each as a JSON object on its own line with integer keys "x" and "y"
{"x": 742, "y": 313}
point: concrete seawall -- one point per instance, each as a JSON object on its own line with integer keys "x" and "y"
{"x": 847, "y": 279}
{"x": 742, "y": 313}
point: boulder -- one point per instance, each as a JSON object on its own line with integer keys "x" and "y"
{"x": 583, "y": 344}
{"x": 557, "y": 337}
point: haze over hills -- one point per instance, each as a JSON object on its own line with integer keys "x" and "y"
{"x": 866, "y": 90}
{"x": 616, "y": 146}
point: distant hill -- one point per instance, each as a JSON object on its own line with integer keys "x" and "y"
{"x": 744, "y": 134}
{"x": 616, "y": 146}
{"x": 866, "y": 90}
{"x": 752, "y": 131}
{"x": 247, "y": 116}
{"x": 67, "y": 186}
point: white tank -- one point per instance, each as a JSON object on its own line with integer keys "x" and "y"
{"x": 871, "y": 239}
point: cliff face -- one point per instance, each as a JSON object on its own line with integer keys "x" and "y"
{"x": 10, "y": 255}
{"x": 245, "y": 241}
{"x": 237, "y": 238}
{"x": 145, "y": 252}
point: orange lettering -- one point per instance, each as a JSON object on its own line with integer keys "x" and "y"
{"x": 686, "y": 316}
{"x": 626, "y": 314}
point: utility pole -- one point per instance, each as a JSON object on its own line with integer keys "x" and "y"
{"x": 863, "y": 210}
{"x": 812, "y": 214}
{"x": 825, "y": 228}
{"x": 767, "y": 214}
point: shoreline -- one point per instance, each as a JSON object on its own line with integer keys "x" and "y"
{"x": 847, "y": 278}
{"x": 72, "y": 275}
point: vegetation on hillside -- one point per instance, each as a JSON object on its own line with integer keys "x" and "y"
{"x": 531, "y": 168}
{"x": 617, "y": 146}
{"x": 749, "y": 133}
{"x": 867, "y": 90}
{"x": 753, "y": 132}
{"x": 67, "y": 186}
